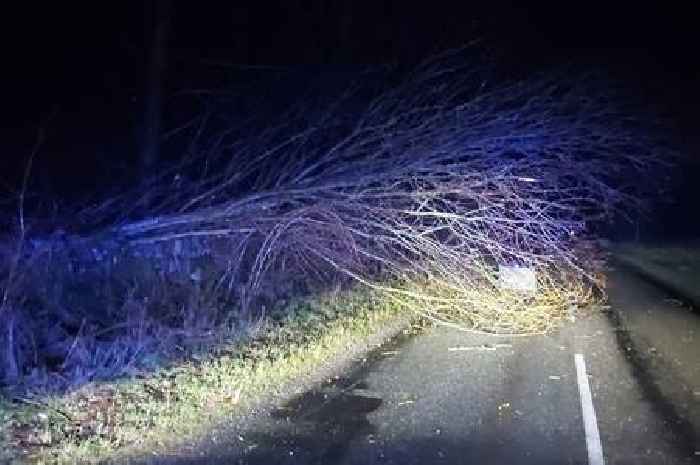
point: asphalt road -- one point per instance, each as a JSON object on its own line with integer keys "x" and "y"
{"x": 450, "y": 397}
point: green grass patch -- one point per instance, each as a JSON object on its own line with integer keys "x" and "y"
{"x": 153, "y": 414}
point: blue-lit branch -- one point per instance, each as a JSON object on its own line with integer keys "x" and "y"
{"x": 423, "y": 190}
{"x": 441, "y": 178}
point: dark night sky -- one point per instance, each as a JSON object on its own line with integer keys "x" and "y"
{"x": 88, "y": 60}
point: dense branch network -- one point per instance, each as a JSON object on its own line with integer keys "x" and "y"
{"x": 438, "y": 180}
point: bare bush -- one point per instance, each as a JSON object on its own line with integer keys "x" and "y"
{"x": 422, "y": 190}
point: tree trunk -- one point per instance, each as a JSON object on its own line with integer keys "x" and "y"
{"x": 150, "y": 149}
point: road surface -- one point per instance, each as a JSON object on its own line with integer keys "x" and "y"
{"x": 619, "y": 387}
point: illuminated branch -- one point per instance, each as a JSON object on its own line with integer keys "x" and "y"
{"x": 433, "y": 183}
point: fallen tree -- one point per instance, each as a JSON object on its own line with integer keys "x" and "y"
{"x": 422, "y": 190}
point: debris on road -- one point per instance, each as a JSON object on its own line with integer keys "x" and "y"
{"x": 479, "y": 347}
{"x": 504, "y": 408}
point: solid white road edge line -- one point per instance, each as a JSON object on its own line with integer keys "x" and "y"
{"x": 590, "y": 424}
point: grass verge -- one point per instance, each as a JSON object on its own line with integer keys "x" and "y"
{"x": 131, "y": 417}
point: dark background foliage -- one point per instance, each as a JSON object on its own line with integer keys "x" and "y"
{"x": 86, "y": 64}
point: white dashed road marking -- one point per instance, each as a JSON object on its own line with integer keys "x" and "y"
{"x": 590, "y": 424}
